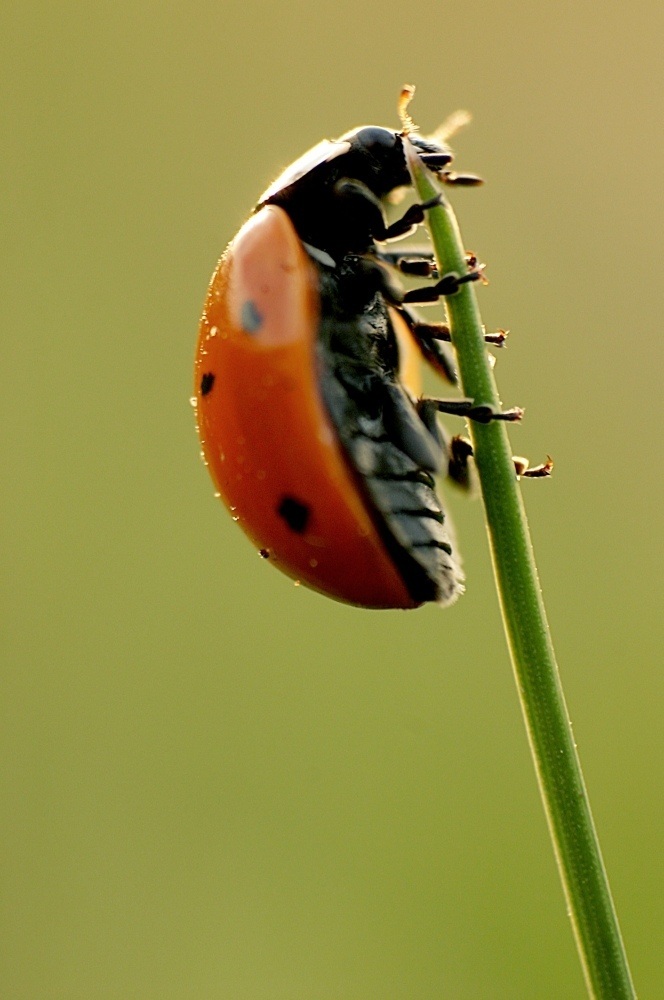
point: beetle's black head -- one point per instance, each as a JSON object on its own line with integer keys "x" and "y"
{"x": 376, "y": 157}
{"x": 368, "y": 161}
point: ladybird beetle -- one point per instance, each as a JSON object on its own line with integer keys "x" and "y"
{"x": 307, "y": 396}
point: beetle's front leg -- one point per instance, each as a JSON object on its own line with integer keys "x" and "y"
{"x": 368, "y": 207}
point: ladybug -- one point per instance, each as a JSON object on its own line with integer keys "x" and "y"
{"x": 307, "y": 390}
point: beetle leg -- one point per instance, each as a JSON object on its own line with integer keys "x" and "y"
{"x": 365, "y": 206}
{"x": 480, "y": 412}
{"x": 416, "y": 260}
{"x": 458, "y": 449}
{"x": 432, "y": 340}
{"x": 394, "y": 293}
{"x": 430, "y": 332}
{"x": 371, "y": 208}
{"x": 441, "y": 331}
{"x": 460, "y": 467}
{"x": 541, "y": 471}
{"x": 383, "y": 278}
{"x": 417, "y": 265}
{"x": 460, "y": 180}
{"x": 497, "y": 337}
{"x": 449, "y": 284}
{"x": 411, "y": 218}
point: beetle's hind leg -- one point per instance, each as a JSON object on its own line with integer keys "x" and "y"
{"x": 459, "y": 452}
{"x": 522, "y": 467}
{"x": 461, "y": 465}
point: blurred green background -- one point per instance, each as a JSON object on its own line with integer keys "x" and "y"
{"x": 215, "y": 784}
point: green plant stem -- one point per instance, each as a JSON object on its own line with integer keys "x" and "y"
{"x": 563, "y": 791}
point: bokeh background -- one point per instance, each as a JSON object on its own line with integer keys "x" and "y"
{"x": 215, "y": 784}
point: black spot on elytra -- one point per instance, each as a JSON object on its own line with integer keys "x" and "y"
{"x": 264, "y": 553}
{"x": 206, "y": 383}
{"x": 250, "y": 317}
{"x": 295, "y": 513}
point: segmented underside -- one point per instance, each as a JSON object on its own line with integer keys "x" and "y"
{"x": 392, "y": 451}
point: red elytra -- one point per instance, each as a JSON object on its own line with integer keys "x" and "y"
{"x": 267, "y": 439}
